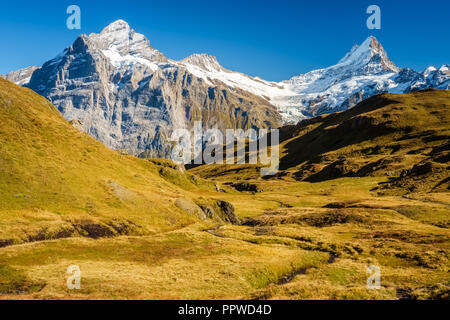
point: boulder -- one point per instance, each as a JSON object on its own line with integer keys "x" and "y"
{"x": 245, "y": 186}
{"x": 228, "y": 211}
{"x": 191, "y": 208}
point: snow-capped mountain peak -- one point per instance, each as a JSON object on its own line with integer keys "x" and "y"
{"x": 118, "y": 27}
{"x": 369, "y": 52}
{"x": 445, "y": 69}
{"x": 129, "y": 95}
{"x": 359, "y": 53}
{"x": 20, "y": 77}
{"x": 207, "y": 67}
{"x": 364, "y": 71}
{"x": 203, "y": 61}
{"x": 118, "y": 36}
{"x": 429, "y": 70}
{"x": 123, "y": 46}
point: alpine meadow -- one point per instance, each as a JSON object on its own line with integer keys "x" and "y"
{"x": 94, "y": 205}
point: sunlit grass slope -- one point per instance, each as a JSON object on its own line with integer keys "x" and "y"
{"x": 136, "y": 230}
{"x": 56, "y": 181}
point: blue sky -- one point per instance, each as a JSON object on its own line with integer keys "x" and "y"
{"x": 271, "y": 39}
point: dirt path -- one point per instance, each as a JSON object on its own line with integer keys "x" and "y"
{"x": 213, "y": 231}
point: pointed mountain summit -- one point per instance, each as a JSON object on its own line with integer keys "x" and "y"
{"x": 120, "y": 43}
{"x": 117, "y": 27}
{"x": 445, "y": 69}
{"x": 364, "y": 71}
{"x": 369, "y": 54}
{"x": 367, "y": 59}
{"x": 203, "y": 61}
{"x": 130, "y": 96}
{"x": 429, "y": 71}
{"x": 119, "y": 37}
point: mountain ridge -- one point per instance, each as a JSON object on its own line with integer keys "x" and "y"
{"x": 130, "y": 96}
{"x": 103, "y": 81}
{"x": 401, "y": 137}
{"x": 67, "y": 200}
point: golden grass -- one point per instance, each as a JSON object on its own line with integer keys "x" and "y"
{"x": 66, "y": 200}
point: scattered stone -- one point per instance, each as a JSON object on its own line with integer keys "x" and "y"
{"x": 209, "y": 211}
{"x": 94, "y": 230}
{"x": 6, "y": 243}
{"x": 228, "y": 212}
{"x": 77, "y": 124}
{"x": 245, "y": 186}
{"x": 218, "y": 189}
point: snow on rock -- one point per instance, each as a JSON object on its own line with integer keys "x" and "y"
{"x": 124, "y": 47}
{"x": 20, "y": 77}
{"x": 363, "y": 71}
{"x": 208, "y": 68}
{"x": 130, "y": 96}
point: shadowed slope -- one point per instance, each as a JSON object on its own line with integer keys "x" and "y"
{"x": 402, "y": 136}
{"x": 386, "y": 135}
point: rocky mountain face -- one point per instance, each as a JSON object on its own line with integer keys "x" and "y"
{"x": 432, "y": 78}
{"x": 363, "y": 72}
{"x": 130, "y": 96}
{"x": 364, "y": 140}
{"x": 402, "y": 137}
{"x": 20, "y": 77}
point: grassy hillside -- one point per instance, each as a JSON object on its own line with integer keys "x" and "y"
{"x": 56, "y": 181}
{"x": 137, "y": 228}
{"x": 370, "y": 186}
{"x": 404, "y": 137}
{"x": 387, "y": 135}
{"x": 144, "y": 229}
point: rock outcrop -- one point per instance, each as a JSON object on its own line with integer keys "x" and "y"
{"x": 20, "y": 77}
{"x": 131, "y": 97}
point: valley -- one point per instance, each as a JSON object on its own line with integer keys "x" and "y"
{"x": 149, "y": 229}
{"x": 289, "y": 247}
